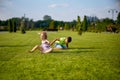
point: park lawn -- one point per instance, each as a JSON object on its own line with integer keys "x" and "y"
{"x": 91, "y": 56}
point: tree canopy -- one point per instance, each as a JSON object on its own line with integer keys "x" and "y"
{"x": 47, "y": 17}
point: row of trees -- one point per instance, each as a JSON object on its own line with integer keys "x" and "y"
{"x": 96, "y": 25}
{"x": 88, "y": 24}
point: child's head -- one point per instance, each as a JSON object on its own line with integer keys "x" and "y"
{"x": 68, "y": 39}
{"x": 43, "y": 35}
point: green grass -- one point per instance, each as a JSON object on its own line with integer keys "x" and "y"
{"x": 92, "y": 56}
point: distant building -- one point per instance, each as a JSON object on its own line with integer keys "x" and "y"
{"x": 92, "y": 18}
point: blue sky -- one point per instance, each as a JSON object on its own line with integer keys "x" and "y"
{"x": 66, "y": 10}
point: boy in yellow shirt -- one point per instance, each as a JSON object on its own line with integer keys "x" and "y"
{"x": 61, "y": 43}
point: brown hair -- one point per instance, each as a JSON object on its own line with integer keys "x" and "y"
{"x": 43, "y": 35}
{"x": 69, "y": 39}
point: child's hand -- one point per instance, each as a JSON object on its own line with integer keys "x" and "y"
{"x": 57, "y": 39}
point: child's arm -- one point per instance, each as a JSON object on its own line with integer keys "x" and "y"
{"x": 67, "y": 45}
{"x": 51, "y": 43}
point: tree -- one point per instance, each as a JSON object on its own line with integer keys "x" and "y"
{"x": 66, "y": 27}
{"x": 10, "y": 25}
{"x": 118, "y": 18}
{"x": 31, "y": 25}
{"x": 78, "y": 26}
{"x": 46, "y": 17}
{"x": 51, "y": 25}
{"x": 74, "y": 22}
{"x": 14, "y": 25}
{"x": 78, "y": 23}
{"x": 22, "y": 27}
{"x": 85, "y": 24}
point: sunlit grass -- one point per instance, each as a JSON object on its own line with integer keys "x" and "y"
{"x": 93, "y": 56}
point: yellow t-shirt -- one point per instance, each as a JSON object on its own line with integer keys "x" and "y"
{"x": 61, "y": 41}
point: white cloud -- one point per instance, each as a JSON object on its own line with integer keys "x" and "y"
{"x": 58, "y": 5}
{"x": 52, "y": 6}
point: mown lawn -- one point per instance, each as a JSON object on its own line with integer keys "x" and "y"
{"x": 92, "y": 56}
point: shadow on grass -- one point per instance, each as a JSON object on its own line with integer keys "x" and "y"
{"x": 14, "y": 45}
{"x": 84, "y": 48}
{"x": 77, "y": 50}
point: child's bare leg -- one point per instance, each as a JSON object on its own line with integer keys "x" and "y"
{"x": 36, "y": 47}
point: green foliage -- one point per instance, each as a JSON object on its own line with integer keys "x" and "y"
{"x": 10, "y": 28}
{"x": 85, "y": 24}
{"x": 58, "y": 27}
{"x": 80, "y": 31}
{"x": 79, "y": 26}
{"x": 51, "y": 25}
{"x": 14, "y": 25}
{"x": 31, "y": 24}
{"x": 47, "y": 17}
{"x": 22, "y": 27}
{"x": 92, "y": 56}
{"x": 101, "y": 26}
{"x": 66, "y": 27}
{"x": 118, "y": 18}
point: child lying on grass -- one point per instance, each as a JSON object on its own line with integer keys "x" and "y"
{"x": 61, "y": 43}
